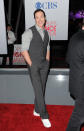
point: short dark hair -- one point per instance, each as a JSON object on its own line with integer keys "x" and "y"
{"x": 9, "y": 25}
{"x": 38, "y": 10}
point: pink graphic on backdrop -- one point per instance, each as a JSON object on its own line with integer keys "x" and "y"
{"x": 17, "y": 57}
{"x": 51, "y": 28}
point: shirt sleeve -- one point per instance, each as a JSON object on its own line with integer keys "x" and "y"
{"x": 11, "y": 36}
{"x": 26, "y": 39}
{"x": 48, "y": 46}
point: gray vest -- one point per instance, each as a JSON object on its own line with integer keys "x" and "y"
{"x": 38, "y": 47}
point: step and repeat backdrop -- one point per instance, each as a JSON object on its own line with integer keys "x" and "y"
{"x": 56, "y": 15}
{"x": 57, "y": 23}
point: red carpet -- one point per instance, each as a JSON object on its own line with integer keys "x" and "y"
{"x": 18, "y": 117}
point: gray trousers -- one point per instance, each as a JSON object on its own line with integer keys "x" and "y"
{"x": 77, "y": 118}
{"x": 38, "y": 75}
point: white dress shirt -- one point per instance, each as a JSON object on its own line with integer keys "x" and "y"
{"x": 11, "y": 37}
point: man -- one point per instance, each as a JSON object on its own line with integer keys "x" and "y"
{"x": 11, "y": 39}
{"x": 36, "y": 52}
{"x": 75, "y": 58}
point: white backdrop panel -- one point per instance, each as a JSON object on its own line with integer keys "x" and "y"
{"x": 3, "y": 42}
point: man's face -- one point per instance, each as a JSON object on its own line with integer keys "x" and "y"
{"x": 40, "y": 19}
{"x": 8, "y": 28}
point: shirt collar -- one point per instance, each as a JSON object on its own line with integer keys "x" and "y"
{"x": 38, "y": 28}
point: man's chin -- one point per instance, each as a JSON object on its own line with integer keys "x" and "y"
{"x": 41, "y": 25}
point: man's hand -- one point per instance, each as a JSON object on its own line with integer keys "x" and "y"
{"x": 48, "y": 55}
